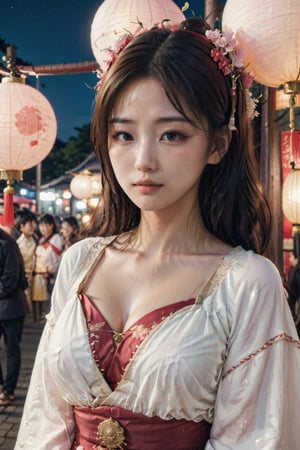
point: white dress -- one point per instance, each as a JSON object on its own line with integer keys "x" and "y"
{"x": 47, "y": 259}
{"x": 232, "y": 358}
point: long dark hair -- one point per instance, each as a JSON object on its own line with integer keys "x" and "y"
{"x": 231, "y": 199}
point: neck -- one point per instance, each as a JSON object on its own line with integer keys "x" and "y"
{"x": 46, "y": 238}
{"x": 27, "y": 236}
{"x": 160, "y": 234}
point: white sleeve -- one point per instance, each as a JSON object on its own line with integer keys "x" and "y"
{"x": 257, "y": 403}
{"x": 47, "y": 422}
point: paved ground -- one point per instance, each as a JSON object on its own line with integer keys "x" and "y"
{"x": 10, "y": 416}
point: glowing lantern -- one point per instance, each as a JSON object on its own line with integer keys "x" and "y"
{"x": 269, "y": 31}
{"x": 27, "y": 126}
{"x": 96, "y": 184}
{"x": 112, "y": 21}
{"x": 291, "y": 197}
{"x": 27, "y": 133}
{"x": 81, "y": 185}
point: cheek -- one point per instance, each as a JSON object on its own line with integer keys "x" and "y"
{"x": 121, "y": 162}
{"x": 189, "y": 159}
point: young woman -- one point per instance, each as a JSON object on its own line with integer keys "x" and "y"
{"x": 69, "y": 229}
{"x": 47, "y": 258}
{"x": 170, "y": 331}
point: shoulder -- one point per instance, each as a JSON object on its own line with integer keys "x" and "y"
{"x": 255, "y": 268}
{"x": 245, "y": 278}
{"x": 7, "y": 240}
{"x": 85, "y": 245}
{"x": 244, "y": 268}
{"x": 57, "y": 240}
{"x": 73, "y": 267}
{"x": 252, "y": 281}
{"x": 85, "y": 251}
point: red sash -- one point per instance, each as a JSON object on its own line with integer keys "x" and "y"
{"x": 140, "y": 432}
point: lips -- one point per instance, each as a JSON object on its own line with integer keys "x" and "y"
{"x": 147, "y": 183}
{"x": 147, "y": 186}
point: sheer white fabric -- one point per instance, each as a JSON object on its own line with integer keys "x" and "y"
{"x": 232, "y": 358}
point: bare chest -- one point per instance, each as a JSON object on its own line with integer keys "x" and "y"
{"x": 125, "y": 290}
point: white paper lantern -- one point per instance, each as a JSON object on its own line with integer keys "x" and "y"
{"x": 96, "y": 184}
{"x": 269, "y": 31}
{"x": 27, "y": 126}
{"x": 81, "y": 185}
{"x": 114, "y": 19}
{"x": 291, "y": 197}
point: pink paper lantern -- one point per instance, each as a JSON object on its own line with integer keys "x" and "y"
{"x": 113, "y": 20}
{"x": 27, "y": 126}
{"x": 269, "y": 31}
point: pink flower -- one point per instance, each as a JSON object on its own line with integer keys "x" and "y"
{"x": 225, "y": 66}
{"x": 231, "y": 40}
{"x": 221, "y": 42}
{"x": 224, "y": 63}
{"x": 247, "y": 79}
{"x": 216, "y": 54}
{"x": 213, "y": 35}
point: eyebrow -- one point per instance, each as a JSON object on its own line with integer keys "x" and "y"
{"x": 166, "y": 119}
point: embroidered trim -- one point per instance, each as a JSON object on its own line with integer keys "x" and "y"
{"x": 269, "y": 343}
{"x": 218, "y": 275}
{"x": 92, "y": 257}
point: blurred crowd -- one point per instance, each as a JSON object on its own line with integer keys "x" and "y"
{"x": 42, "y": 239}
{"x": 30, "y": 254}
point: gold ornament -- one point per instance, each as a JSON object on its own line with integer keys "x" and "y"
{"x": 117, "y": 337}
{"x": 111, "y": 434}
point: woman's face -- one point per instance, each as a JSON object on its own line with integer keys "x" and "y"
{"x": 157, "y": 155}
{"x": 46, "y": 229}
{"x": 66, "y": 230}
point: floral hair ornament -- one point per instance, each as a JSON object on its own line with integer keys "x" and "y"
{"x": 123, "y": 41}
{"x": 230, "y": 61}
{"x": 120, "y": 44}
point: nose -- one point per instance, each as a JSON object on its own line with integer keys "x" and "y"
{"x": 146, "y": 157}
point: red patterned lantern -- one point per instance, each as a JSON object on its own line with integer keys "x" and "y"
{"x": 27, "y": 133}
{"x": 111, "y": 21}
{"x": 27, "y": 126}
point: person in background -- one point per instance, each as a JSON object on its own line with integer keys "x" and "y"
{"x": 69, "y": 230}
{"x": 26, "y": 223}
{"x": 294, "y": 289}
{"x": 13, "y": 309}
{"x": 170, "y": 331}
{"x": 47, "y": 258}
